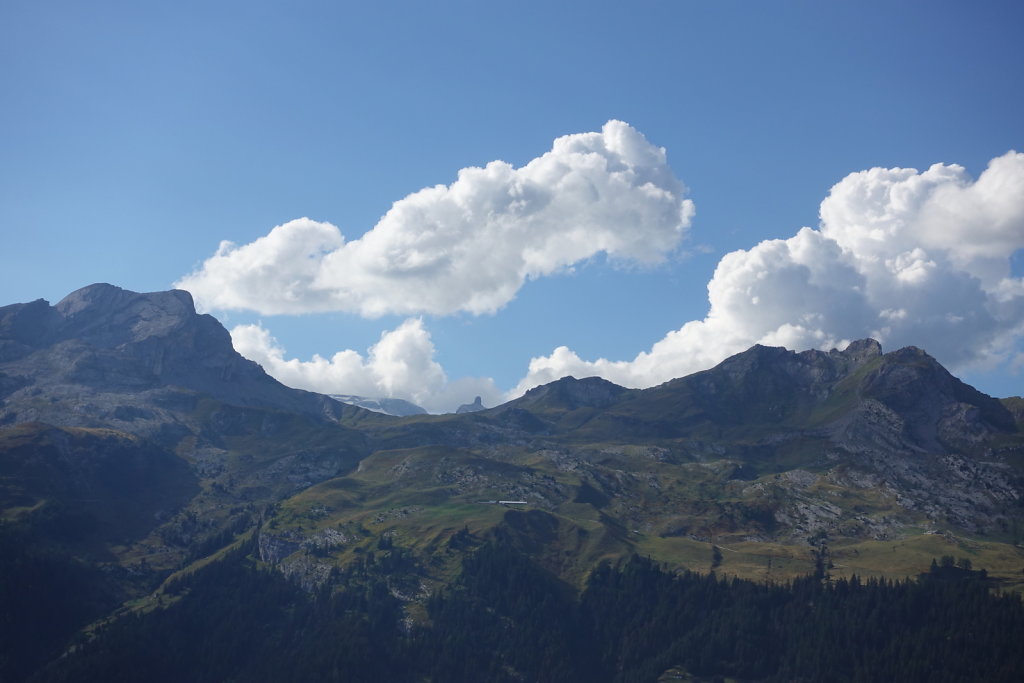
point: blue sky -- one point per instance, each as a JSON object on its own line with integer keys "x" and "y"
{"x": 138, "y": 136}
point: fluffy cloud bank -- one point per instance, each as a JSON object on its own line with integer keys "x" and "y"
{"x": 907, "y": 257}
{"x": 903, "y": 256}
{"x": 400, "y": 365}
{"x": 468, "y": 246}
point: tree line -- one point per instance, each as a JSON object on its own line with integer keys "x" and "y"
{"x": 507, "y": 619}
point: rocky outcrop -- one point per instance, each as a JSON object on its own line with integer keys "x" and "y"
{"x": 474, "y": 407}
{"x": 773, "y": 382}
{"x": 570, "y": 393}
{"x": 274, "y": 548}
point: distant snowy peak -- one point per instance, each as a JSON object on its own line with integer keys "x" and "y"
{"x": 389, "y": 406}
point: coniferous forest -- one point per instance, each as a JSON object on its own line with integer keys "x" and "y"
{"x": 506, "y": 619}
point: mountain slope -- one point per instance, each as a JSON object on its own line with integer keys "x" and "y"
{"x": 137, "y": 447}
{"x": 771, "y": 453}
{"x": 133, "y": 411}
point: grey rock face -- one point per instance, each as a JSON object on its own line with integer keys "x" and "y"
{"x": 476, "y": 406}
{"x": 273, "y": 548}
{"x": 772, "y": 373}
{"x": 572, "y": 393}
{"x": 103, "y": 340}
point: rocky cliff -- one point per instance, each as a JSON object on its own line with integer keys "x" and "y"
{"x": 95, "y": 354}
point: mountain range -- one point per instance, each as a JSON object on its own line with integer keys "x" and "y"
{"x": 136, "y": 447}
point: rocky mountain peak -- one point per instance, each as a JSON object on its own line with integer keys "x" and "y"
{"x": 160, "y": 331}
{"x": 861, "y": 350}
{"x": 109, "y": 316}
{"x": 572, "y": 393}
{"x": 766, "y": 373}
{"x": 106, "y": 297}
{"x": 941, "y": 408}
{"x": 23, "y": 325}
{"x": 102, "y": 339}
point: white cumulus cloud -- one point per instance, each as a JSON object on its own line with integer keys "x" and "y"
{"x": 400, "y": 365}
{"x": 468, "y": 246}
{"x": 907, "y": 257}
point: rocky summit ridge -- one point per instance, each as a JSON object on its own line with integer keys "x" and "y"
{"x": 102, "y": 341}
